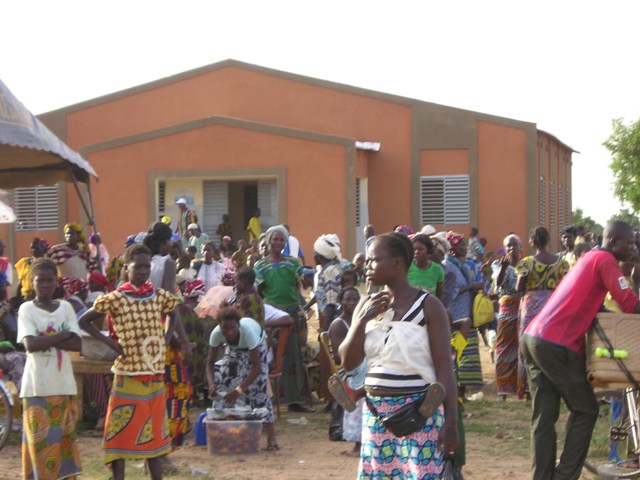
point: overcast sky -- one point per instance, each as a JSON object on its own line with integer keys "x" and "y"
{"x": 568, "y": 66}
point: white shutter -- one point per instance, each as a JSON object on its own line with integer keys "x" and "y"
{"x": 268, "y": 203}
{"x": 215, "y": 204}
{"x": 444, "y": 200}
{"x": 36, "y": 208}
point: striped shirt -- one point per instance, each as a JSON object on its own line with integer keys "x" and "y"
{"x": 398, "y": 353}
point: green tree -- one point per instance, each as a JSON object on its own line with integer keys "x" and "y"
{"x": 624, "y": 145}
{"x": 626, "y": 216}
{"x": 578, "y": 218}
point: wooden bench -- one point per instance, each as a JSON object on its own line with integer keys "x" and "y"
{"x": 83, "y": 365}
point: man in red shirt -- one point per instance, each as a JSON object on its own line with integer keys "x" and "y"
{"x": 553, "y": 346}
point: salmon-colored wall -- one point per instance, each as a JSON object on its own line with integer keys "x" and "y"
{"x": 444, "y": 162}
{"x": 263, "y": 97}
{"x": 222, "y": 147}
{"x": 501, "y": 181}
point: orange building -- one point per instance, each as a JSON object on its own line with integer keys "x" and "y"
{"x": 320, "y": 156}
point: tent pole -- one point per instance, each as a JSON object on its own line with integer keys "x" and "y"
{"x": 89, "y": 211}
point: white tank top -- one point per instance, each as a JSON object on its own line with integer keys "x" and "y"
{"x": 157, "y": 270}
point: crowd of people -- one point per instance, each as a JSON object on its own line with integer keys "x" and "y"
{"x": 399, "y": 323}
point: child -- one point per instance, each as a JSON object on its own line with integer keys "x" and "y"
{"x": 136, "y": 425}
{"x": 49, "y": 329}
{"x": 246, "y": 299}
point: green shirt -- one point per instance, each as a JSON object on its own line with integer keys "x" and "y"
{"x": 428, "y": 278}
{"x": 279, "y": 280}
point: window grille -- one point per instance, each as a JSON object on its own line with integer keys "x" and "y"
{"x": 444, "y": 200}
{"x": 552, "y": 203}
{"x": 542, "y": 190}
{"x": 36, "y": 208}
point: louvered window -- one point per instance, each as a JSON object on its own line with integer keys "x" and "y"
{"x": 444, "y": 200}
{"x": 542, "y": 190}
{"x": 162, "y": 187}
{"x": 552, "y": 203}
{"x": 561, "y": 206}
{"x": 36, "y": 208}
{"x": 357, "y": 202}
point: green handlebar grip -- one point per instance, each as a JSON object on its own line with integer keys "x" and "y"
{"x": 604, "y": 353}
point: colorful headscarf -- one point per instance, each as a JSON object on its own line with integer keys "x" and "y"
{"x": 194, "y": 289}
{"x": 100, "y": 280}
{"x": 131, "y": 239}
{"x": 76, "y": 227}
{"x": 454, "y": 240}
{"x": 73, "y": 286}
{"x": 404, "y": 229}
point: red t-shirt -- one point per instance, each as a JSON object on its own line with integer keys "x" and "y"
{"x": 568, "y": 313}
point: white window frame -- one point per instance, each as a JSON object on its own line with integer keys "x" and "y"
{"x": 445, "y": 200}
{"x": 36, "y": 208}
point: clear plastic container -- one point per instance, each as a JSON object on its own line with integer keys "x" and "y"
{"x": 226, "y": 437}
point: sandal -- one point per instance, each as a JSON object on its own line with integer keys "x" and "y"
{"x": 341, "y": 392}
{"x": 432, "y": 399}
{"x": 273, "y": 447}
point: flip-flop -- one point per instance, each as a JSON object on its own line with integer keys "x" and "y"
{"x": 273, "y": 447}
{"x": 340, "y": 392}
{"x": 432, "y": 400}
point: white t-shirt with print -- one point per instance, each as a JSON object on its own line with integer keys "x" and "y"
{"x": 47, "y": 372}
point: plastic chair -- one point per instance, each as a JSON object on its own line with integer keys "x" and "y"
{"x": 276, "y": 374}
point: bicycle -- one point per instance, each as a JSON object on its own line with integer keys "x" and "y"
{"x": 6, "y": 412}
{"x": 623, "y": 439}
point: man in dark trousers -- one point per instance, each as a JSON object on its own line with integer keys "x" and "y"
{"x": 553, "y": 346}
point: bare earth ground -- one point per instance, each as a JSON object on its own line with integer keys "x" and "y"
{"x": 497, "y": 448}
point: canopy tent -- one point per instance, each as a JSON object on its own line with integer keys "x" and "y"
{"x": 31, "y": 155}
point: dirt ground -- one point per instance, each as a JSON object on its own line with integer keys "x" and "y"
{"x": 306, "y": 452}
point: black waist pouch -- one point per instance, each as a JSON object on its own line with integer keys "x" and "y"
{"x": 402, "y": 422}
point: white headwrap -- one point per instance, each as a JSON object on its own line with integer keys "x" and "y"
{"x": 327, "y": 246}
{"x": 276, "y": 228}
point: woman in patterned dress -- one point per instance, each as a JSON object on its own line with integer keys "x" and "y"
{"x": 504, "y": 278}
{"x": 470, "y": 370}
{"x": 538, "y": 276}
{"x": 278, "y": 277}
{"x": 136, "y": 425}
{"x": 404, "y": 334}
{"x": 72, "y": 257}
{"x": 244, "y": 370}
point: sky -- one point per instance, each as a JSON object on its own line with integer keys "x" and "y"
{"x": 570, "y": 67}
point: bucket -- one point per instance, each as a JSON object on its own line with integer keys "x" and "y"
{"x": 200, "y": 430}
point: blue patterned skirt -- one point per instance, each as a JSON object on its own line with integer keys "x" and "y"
{"x": 384, "y": 456}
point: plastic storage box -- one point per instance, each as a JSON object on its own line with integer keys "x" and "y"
{"x": 233, "y": 436}
{"x": 623, "y": 331}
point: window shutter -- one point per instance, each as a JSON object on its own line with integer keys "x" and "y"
{"x": 357, "y": 202}
{"x": 542, "y": 190}
{"x": 552, "y": 203}
{"x": 162, "y": 187}
{"x": 444, "y": 200}
{"x": 36, "y": 208}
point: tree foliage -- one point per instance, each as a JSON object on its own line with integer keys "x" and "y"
{"x": 624, "y": 145}
{"x": 626, "y": 216}
{"x": 578, "y": 218}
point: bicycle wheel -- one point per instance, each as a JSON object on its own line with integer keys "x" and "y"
{"x": 6, "y": 416}
{"x": 611, "y": 451}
